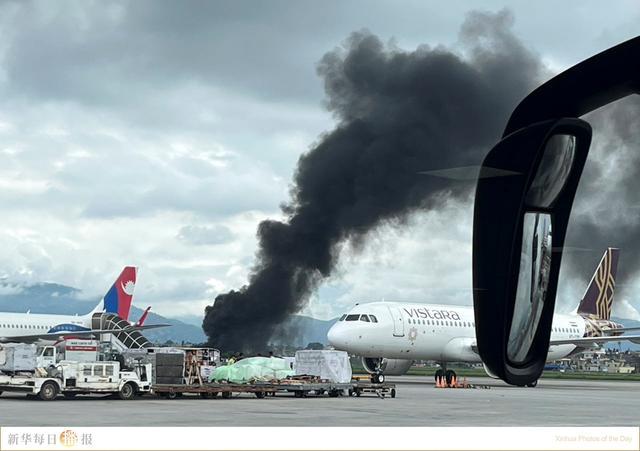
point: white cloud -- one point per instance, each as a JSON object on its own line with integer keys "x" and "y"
{"x": 623, "y": 309}
{"x": 6, "y": 289}
{"x": 204, "y": 235}
{"x": 427, "y": 260}
{"x": 135, "y": 135}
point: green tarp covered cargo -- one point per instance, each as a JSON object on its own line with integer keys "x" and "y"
{"x": 252, "y": 369}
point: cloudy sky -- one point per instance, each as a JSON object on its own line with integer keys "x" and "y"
{"x": 160, "y": 134}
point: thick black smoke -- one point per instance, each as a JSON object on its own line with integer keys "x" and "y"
{"x": 607, "y": 206}
{"x": 399, "y": 113}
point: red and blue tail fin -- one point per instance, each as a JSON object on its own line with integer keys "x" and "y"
{"x": 598, "y": 298}
{"x": 119, "y": 297}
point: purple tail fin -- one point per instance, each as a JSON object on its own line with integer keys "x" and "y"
{"x": 598, "y": 298}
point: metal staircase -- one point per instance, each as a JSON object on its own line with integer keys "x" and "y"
{"x": 119, "y": 340}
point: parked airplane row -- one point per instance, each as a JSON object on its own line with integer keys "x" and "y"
{"x": 32, "y": 327}
{"x": 389, "y": 336}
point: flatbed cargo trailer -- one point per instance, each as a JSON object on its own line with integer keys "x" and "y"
{"x": 211, "y": 390}
{"x": 302, "y": 390}
{"x": 381, "y": 390}
{"x": 262, "y": 389}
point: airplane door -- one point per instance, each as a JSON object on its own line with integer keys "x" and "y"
{"x": 398, "y": 321}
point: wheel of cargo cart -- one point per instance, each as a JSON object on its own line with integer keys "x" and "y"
{"x": 207, "y": 395}
{"x": 259, "y": 394}
{"x": 439, "y": 374}
{"x": 532, "y": 384}
{"x": 297, "y": 394}
{"x": 171, "y": 395}
{"x": 334, "y": 393}
{"x": 226, "y": 394}
{"x": 358, "y": 392}
{"x": 48, "y": 391}
{"x": 351, "y": 392}
{"x": 127, "y": 391}
{"x": 393, "y": 392}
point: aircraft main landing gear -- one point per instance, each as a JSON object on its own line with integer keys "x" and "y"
{"x": 443, "y": 372}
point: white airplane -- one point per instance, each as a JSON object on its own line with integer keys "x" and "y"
{"x": 389, "y": 336}
{"x": 32, "y": 327}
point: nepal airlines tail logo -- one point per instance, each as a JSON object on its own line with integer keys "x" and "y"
{"x": 119, "y": 297}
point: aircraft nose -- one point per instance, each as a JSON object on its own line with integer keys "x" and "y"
{"x": 337, "y": 336}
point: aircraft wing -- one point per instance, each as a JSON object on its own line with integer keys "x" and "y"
{"x": 590, "y": 341}
{"x": 84, "y": 333}
{"x": 147, "y": 326}
{"x": 52, "y": 336}
{"x": 622, "y": 329}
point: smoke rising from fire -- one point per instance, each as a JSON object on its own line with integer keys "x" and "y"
{"x": 398, "y": 113}
{"x": 606, "y": 212}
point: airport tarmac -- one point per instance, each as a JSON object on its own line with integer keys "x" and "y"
{"x": 418, "y": 403}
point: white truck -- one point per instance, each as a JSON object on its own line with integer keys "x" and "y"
{"x": 16, "y": 357}
{"x": 71, "y": 378}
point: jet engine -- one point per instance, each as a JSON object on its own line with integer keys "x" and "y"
{"x": 389, "y": 367}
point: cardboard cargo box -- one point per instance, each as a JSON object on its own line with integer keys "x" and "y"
{"x": 331, "y": 365}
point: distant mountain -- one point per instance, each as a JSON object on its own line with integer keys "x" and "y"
{"x": 194, "y": 320}
{"x": 63, "y": 300}
{"x": 178, "y": 332}
{"x": 302, "y": 330}
{"x": 54, "y": 298}
{"x": 298, "y": 331}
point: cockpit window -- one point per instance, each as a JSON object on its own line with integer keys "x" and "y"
{"x": 364, "y": 318}
{"x": 352, "y": 318}
{"x": 343, "y": 317}
{"x": 373, "y": 319}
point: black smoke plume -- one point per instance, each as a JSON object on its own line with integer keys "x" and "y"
{"x": 398, "y": 113}
{"x": 606, "y": 212}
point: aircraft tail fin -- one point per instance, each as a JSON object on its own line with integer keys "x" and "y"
{"x": 598, "y": 298}
{"x": 120, "y": 296}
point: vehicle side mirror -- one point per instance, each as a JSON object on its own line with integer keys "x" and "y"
{"x": 520, "y": 221}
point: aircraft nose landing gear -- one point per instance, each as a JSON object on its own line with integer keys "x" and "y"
{"x": 377, "y": 378}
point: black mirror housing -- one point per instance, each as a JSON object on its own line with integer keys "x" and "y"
{"x": 500, "y": 205}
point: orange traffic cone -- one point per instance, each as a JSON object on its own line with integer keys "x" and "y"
{"x": 454, "y": 382}
{"x": 437, "y": 382}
